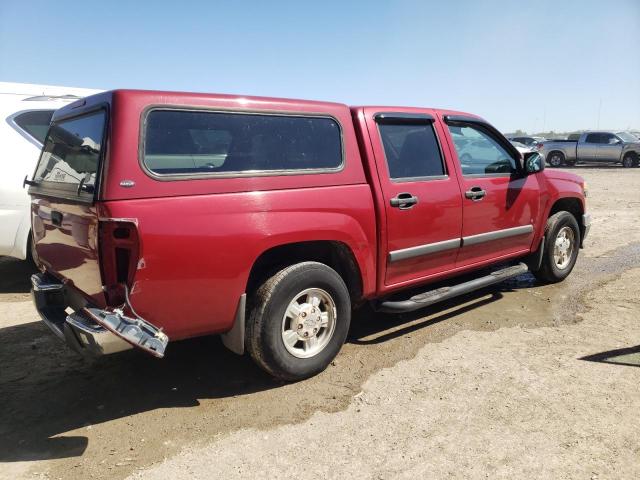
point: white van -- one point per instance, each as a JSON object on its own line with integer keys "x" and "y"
{"x": 25, "y": 112}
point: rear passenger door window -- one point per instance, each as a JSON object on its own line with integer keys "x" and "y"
{"x": 593, "y": 138}
{"x": 186, "y": 142}
{"x": 479, "y": 153}
{"x": 411, "y": 151}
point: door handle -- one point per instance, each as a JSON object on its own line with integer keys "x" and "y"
{"x": 403, "y": 201}
{"x": 475, "y": 194}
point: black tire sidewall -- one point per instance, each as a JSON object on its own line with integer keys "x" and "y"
{"x": 274, "y": 354}
{"x": 556, "y": 223}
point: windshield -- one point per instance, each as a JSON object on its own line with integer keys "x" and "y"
{"x": 627, "y": 137}
{"x": 71, "y": 151}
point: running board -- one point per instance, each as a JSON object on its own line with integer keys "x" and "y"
{"x": 445, "y": 293}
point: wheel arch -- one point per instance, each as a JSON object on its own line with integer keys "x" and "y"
{"x": 573, "y": 205}
{"x": 335, "y": 254}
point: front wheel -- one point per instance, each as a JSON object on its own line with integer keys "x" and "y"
{"x": 299, "y": 319}
{"x": 561, "y": 245}
{"x": 629, "y": 160}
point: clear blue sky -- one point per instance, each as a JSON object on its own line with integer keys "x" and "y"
{"x": 520, "y": 64}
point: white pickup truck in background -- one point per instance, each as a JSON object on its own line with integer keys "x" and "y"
{"x": 594, "y": 147}
{"x": 25, "y": 111}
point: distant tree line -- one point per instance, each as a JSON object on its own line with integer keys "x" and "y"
{"x": 550, "y": 134}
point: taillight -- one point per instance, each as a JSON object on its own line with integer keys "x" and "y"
{"x": 119, "y": 252}
{"x": 539, "y": 146}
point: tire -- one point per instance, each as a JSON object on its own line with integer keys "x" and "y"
{"x": 551, "y": 269}
{"x": 630, "y": 160}
{"x": 555, "y": 159}
{"x": 270, "y": 321}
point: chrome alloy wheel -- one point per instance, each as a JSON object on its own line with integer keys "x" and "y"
{"x": 563, "y": 248}
{"x": 308, "y": 323}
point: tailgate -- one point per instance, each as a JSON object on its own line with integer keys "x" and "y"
{"x": 63, "y": 207}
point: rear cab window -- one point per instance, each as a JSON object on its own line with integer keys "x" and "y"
{"x": 190, "y": 143}
{"x": 593, "y": 138}
{"x": 71, "y": 155}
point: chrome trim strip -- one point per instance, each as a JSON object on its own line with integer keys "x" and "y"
{"x": 419, "y": 179}
{"x": 496, "y": 235}
{"x": 421, "y": 250}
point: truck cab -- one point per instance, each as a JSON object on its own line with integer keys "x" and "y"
{"x": 159, "y": 216}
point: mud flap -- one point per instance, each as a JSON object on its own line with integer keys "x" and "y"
{"x": 234, "y": 338}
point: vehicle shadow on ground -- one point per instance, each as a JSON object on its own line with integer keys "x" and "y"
{"x": 370, "y": 328}
{"x": 48, "y": 390}
{"x": 15, "y": 275}
{"x": 629, "y": 356}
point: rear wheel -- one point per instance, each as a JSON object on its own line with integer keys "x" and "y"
{"x": 556, "y": 159}
{"x": 299, "y": 319}
{"x": 630, "y": 160}
{"x": 561, "y": 245}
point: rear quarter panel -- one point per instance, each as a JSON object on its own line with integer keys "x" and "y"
{"x": 569, "y": 149}
{"x": 200, "y": 237}
{"x": 197, "y": 251}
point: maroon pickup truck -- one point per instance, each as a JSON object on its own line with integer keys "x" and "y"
{"x": 161, "y": 215}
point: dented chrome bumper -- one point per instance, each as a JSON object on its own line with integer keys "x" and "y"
{"x": 89, "y": 330}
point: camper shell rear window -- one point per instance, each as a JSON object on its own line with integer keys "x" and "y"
{"x": 70, "y": 158}
{"x": 192, "y": 143}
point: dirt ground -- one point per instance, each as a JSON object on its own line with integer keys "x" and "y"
{"x": 519, "y": 381}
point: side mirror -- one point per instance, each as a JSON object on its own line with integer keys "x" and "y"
{"x": 533, "y": 162}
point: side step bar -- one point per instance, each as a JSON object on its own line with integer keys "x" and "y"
{"x": 445, "y": 293}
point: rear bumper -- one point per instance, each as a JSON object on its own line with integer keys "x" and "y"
{"x": 53, "y": 300}
{"x": 89, "y": 330}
